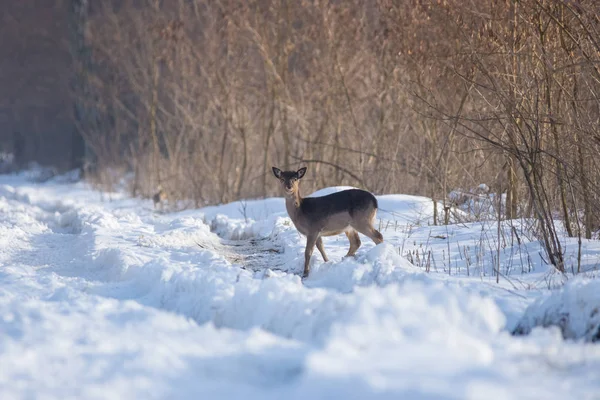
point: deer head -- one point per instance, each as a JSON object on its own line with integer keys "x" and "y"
{"x": 289, "y": 179}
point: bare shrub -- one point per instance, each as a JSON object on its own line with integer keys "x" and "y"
{"x": 202, "y": 97}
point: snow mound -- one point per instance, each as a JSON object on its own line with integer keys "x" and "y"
{"x": 246, "y": 209}
{"x": 392, "y": 334}
{"x": 575, "y": 309}
{"x": 109, "y": 299}
{"x": 330, "y": 190}
{"x": 381, "y": 265}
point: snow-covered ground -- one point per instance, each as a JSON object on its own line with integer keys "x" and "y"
{"x": 108, "y": 299}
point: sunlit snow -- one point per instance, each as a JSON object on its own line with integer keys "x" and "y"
{"x": 109, "y": 299}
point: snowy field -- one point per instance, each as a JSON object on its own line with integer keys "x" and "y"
{"x": 108, "y": 299}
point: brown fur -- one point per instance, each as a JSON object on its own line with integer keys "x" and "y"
{"x": 350, "y": 211}
{"x": 159, "y": 197}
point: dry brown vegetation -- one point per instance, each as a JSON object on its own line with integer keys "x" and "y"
{"x": 201, "y": 97}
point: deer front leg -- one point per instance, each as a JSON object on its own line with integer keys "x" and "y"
{"x": 311, "y": 240}
{"x": 321, "y": 248}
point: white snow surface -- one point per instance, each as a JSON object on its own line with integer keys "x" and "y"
{"x": 108, "y": 299}
{"x": 575, "y": 309}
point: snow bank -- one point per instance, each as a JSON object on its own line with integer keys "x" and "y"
{"x": 247, "y": 209}
{"x": 575, "y": 309}
{"x": 329, "y": 190}
{"x": 110, "y": 300}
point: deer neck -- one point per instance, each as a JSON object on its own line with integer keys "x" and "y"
{"x": 292, "y": 203}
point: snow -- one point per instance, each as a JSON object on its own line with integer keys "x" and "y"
{"x": 575, "y": 309}
{"x": 108, "y": 299}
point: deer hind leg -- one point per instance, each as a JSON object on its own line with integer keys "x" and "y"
{"x": 354, "y": 242}
{"x": 321, "y": 249}
{"x": 372, "y": 233}
{"x": 366, "y": 228}
{"x": 310, "y": 246}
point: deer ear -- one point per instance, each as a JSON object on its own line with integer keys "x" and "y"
{"x": 300, "y": 173}
{"x": 276, "y": 172}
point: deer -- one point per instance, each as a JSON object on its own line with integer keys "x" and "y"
{"x": 159, "y": 197}
{"x": 350, "y": 211}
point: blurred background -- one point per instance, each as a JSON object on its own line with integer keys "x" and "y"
{"x": 36, "y": 102}
{"x": 201, "y": 97}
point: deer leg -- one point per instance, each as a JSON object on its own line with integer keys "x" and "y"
{"x": 377, "y": 236}
{"x": 354, "y": 242}
{"x": 370, "y": 232}
{"x": 321, "y": 249}
{"x": 310, "y": 246}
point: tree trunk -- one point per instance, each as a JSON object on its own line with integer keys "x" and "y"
{"x": 270, "y": 129}
{"x": 85, "y": 118}
{"x": 512, "y": 199}
{"x": 242, "y": 173}
{"x": 153, "y": 107}
{"x": 587, "y": 209}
